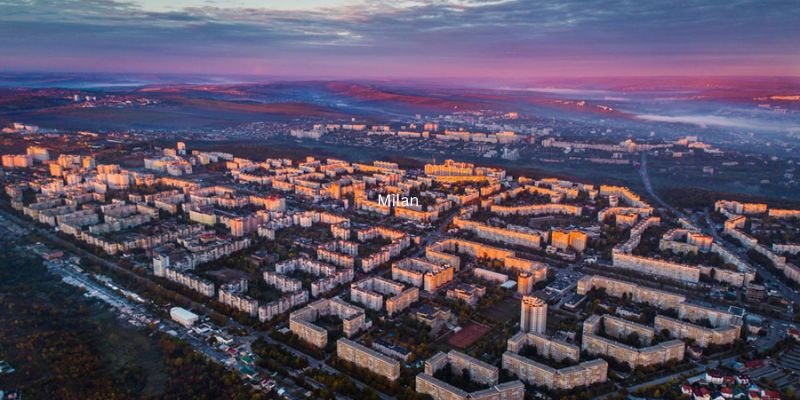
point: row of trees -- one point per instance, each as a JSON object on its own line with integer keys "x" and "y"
{"x": 275, "y": 357}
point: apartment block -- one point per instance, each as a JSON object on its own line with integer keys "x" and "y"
{"x": 11, "y": 161}
{"x": 362, "y": 203}
{"x": 282, "y": 282}
{"x": 272, "y": 309}
{"x": 490, "y": 276}
{"x": 783, "y": 213}
{"x": 338, "y": 252}
{"x": 624, "y": 193}
{"x": 365, "y": 357}
{"x": 232, "y": 295}
{"x": 734, "y": 227}
{"x": 572, "y": 239}
{"x": 639, "y": 294}
{"x": 372, "y": 291}
{"x": 402, "y": 300}
{"x": 534, "y": 373}
{"x": 631, "y": 213}
{"x": 545, "y": 347}
{"x": 617, "y": 327}
{"x": 685, "y": 241}
{"x": 702, "y": 336}
{"x": 445, "y": 251}
{"x": 502, "y": 235}
{"x": 656, "y": 267}
{"x": 301, "y": 322}
{"x": 736, "y": 207}
{"x": 196, "y": 283}
{"x": 479, "y": 372}
{"x": 330, "y": 276}
{"x": 421, "y": 273}
{"x": 468, "y": 293}
{"x": 438, "y": 390}
{"x": 418, "y": 216}
{"x": 537, "y": 209}
{"x": 725, "y": 326}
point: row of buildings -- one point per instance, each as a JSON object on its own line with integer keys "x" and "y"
{"x": 706, "y": 326}
{"x": 737, "y": 217}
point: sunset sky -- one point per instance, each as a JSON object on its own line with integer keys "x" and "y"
{"x": 492, "y": 39}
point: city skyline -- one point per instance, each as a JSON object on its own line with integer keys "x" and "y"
{"x": 491, "y": 40}
{"x": 411, "y": 199}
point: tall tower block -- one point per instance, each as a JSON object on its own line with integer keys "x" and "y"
{"x": 524, "y": 283}
{"x": 533, "y": 317}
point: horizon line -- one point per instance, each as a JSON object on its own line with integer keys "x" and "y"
{"x": 301, "y": 78}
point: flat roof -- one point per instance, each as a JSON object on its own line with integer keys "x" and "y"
{"x": 182, "y": 313}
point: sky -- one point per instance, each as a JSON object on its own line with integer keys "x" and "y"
{"x": 384, "y": 39}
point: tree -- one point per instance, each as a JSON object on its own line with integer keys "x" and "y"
{"x": 633, "y": 339}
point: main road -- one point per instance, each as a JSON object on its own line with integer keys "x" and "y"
{"x": 648, "y": 186}
{"x": 784, "y": 289}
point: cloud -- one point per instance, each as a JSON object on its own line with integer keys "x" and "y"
{"x": 704, "y": 121}
{"x": 497, "y": 37}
